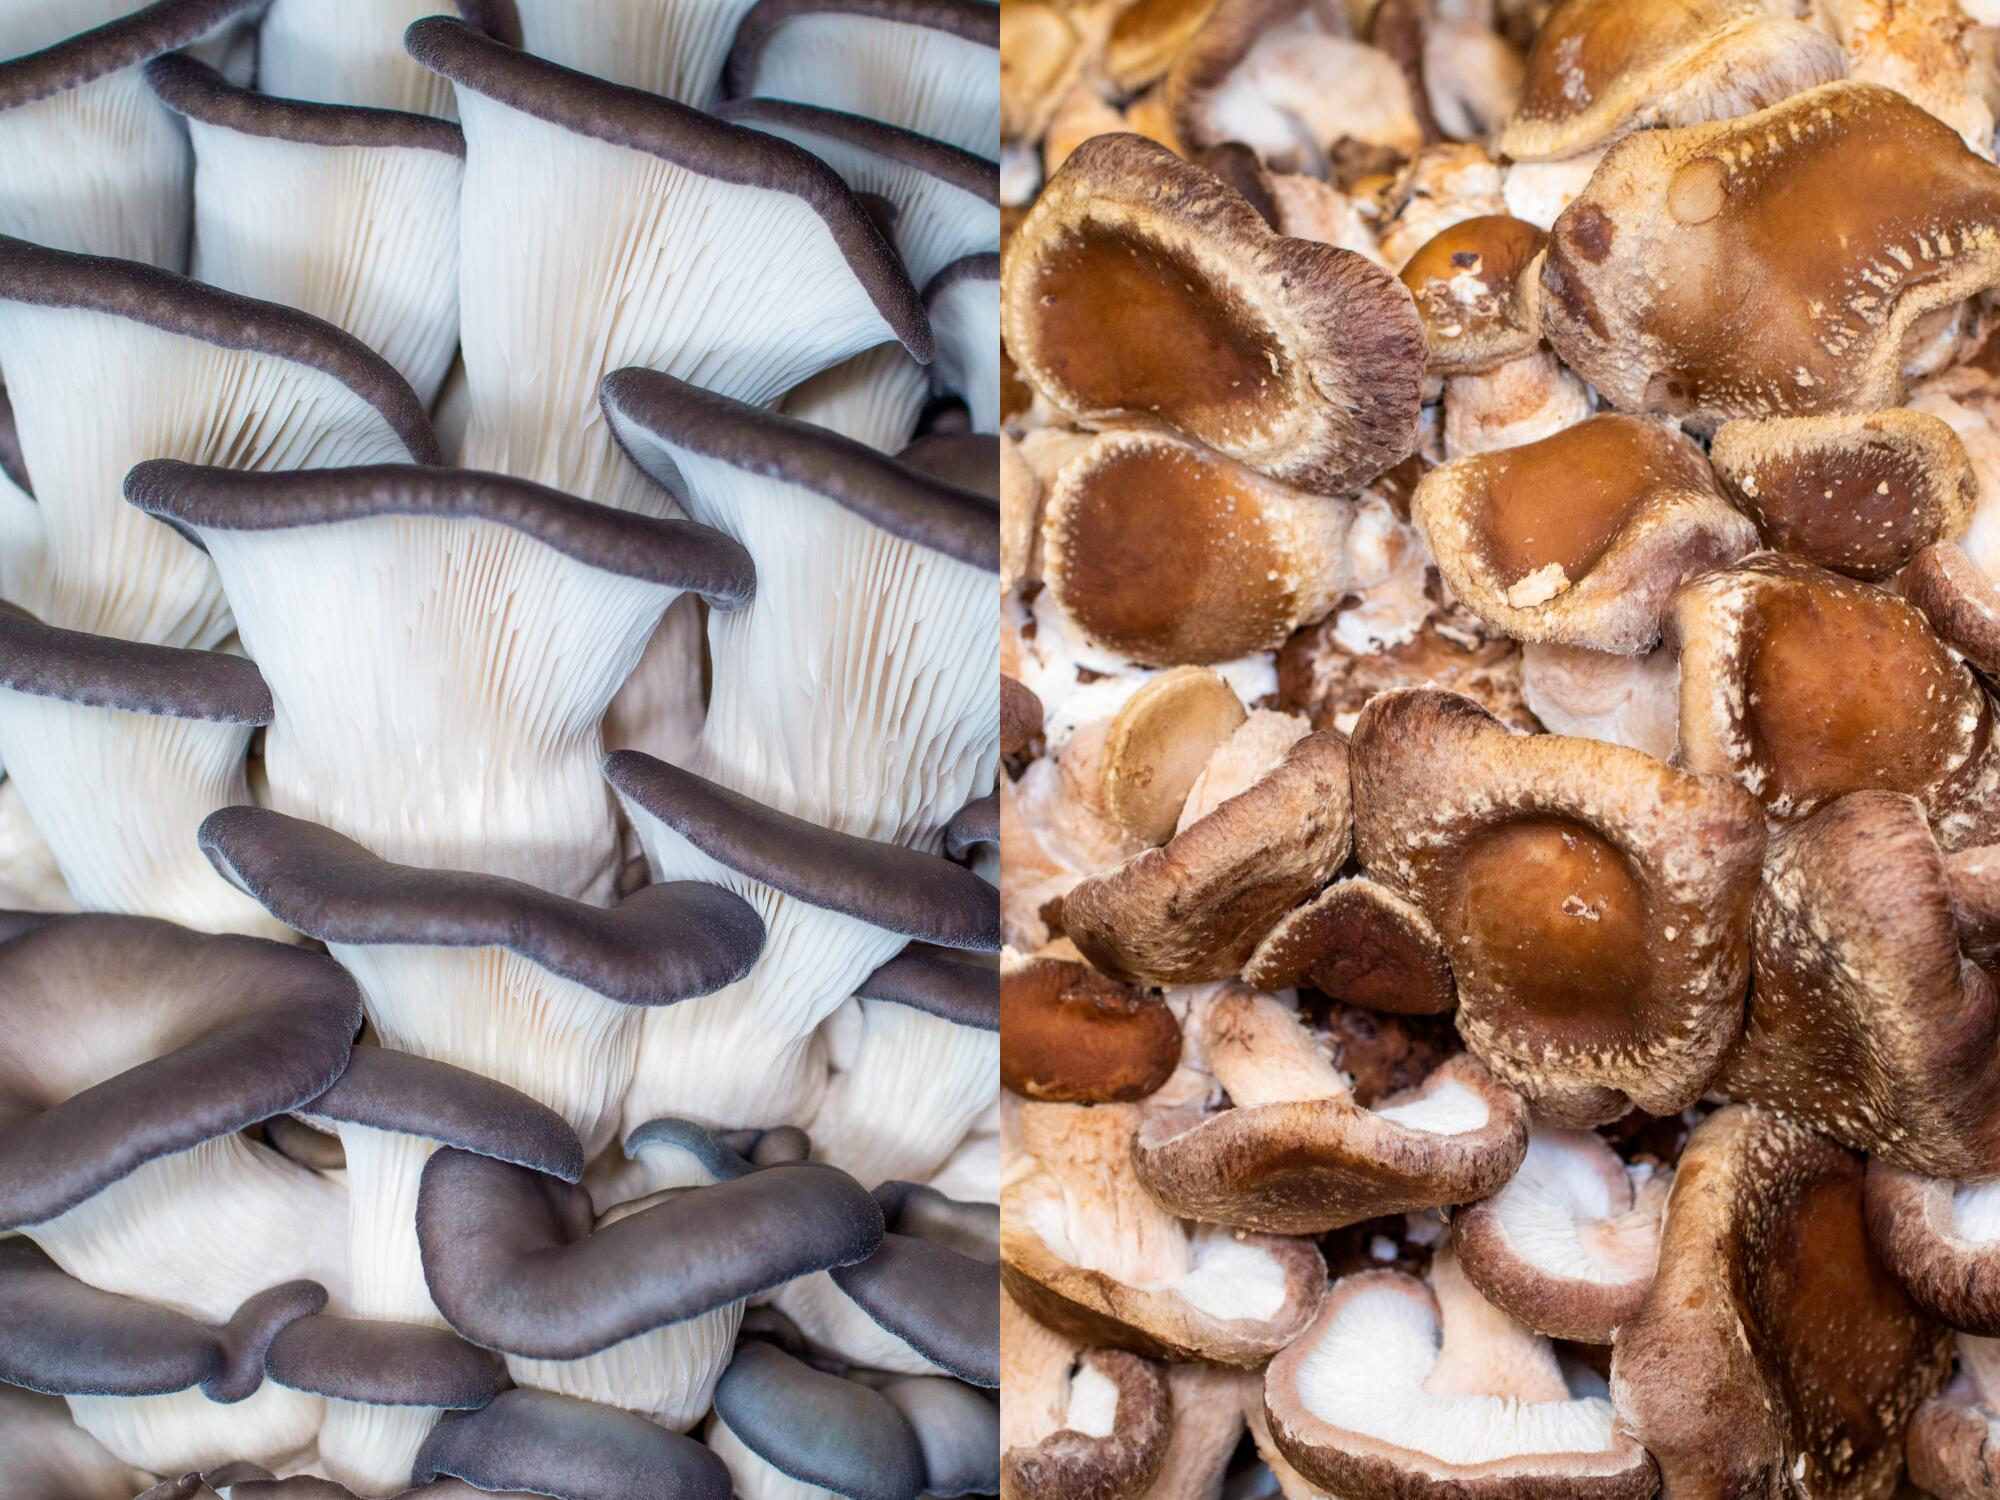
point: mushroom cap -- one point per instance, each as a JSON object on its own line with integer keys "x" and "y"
{"x": 1957, "y": 601}
{"x": 660, "y": 944}
{"x": 1163, "y": 551}
{"x": 1740, "y": 1372}
{"x": 975, "y": 825}
{"x": 1947, "y": 1445}
{"x": 1069, "y": 1035}
{"x": 1560, "y": 872}
{"x": 1360, "y": 942}
{"x": 958, "y": 1430}
{"x": 961, "y": 991}
{"x": 1118, "y": 1464}
{"x": 573, "y": 1450}
{"x": 1020, "y": 716}
{"x": 1158, "y": 744}
{"x": 1805, "y": 686}
{"x": 384, "y": 1364}
{"x": 1864, "y": 1020}
{"x": 191, "y": 88}
{"x": 1197, "y": 907}
{"x": 1146, "y": 37}
{"x": 1678, "y": 282}
{"x": 818, "y": 1428}
{"x": 1936, "y": 1238}
{"x": 1142, "y": 290}
{"x": 194, "y": 1037}
{"x": 1478, "y": 290}
{"x": 929, "y": 1292}
{"x": 96, "y": 671}
{"x": 1582, "y": 536}
{"x": 1860, "y": 493}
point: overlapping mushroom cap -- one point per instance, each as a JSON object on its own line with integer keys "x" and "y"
{"x": 1938, "y": 1239}
{"x": 1069, "y": 1035}
{"x": 1075, "y": 1421}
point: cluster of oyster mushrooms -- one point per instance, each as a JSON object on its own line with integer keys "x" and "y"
{"x": 405, "y": 406}
{"x": 1501, "y": 812}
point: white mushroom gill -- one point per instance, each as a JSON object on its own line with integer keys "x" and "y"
{"x": 911, "y": 1090}
{"x": 185, "y": 1431}
{"x": 875, "y": 398}
{"x": 350, "y": 54}
{"x": 670, "y": 47}
{"x": 371, "y": 1448}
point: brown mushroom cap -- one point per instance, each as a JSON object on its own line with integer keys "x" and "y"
{"x": 1146, "y": 37}
{"x": 1774, "y": 1354}
{"x": 1805, "y": 686}
{"x": 1684, "y": 279}
{"x": 1941, "y": 1241}
{"x": 1579, "y": 538}
{"x": 1950, "y": 1444}
{"x": 1858, "y": 492}
{"x": 1164, "y": 551}
{"x": 1959, "y": 602}
{"x": 1142, "y": 290}
{"x": 1158, "y": 744}
{"x": 1197, "y": 907}
{"x": 1478, "y": 291}
{"x": 1069, "y": 1035}
{"x": 1595, "y": 903}
{"x": 1360, "y": 942}
{"x": 1020, "y": 716}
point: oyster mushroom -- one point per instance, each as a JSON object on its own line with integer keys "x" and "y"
{"x": 546, "y": 1444}
{"x": 785, "y": 1429}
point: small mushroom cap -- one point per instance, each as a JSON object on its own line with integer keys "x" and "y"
{"x": 1118, "y": 1464}
{"x": 1146, "y": 37}
{"x": 1949, "y": 1442}
{"x": 1580, "y": 537}
{"x": 574, "y": 1450}
{"x": 1678, "y": 281}
{"x": 929, "y": 1293}
{"x": 818, "y": 1428}
{"x": 965, "y": 992}
{"x": 1071, "y": 1036}
{"x": 1859, "y": 493}
{"x": 1741, "y": 1365}
{"x": 1941, "y": 1241}
{"x": 1158, "y": 744}
{"x": 1020, "y": 716}
{"x": 1142, "y": 289}
{"x": 1360, "y": 942}
{"x": 1959, "y": 602}
{"x": 1559, "y": 872}
{"x": 1569, "y": 1245}
{"x": 1197, "y": 907}
{"x": 1478, "y": 290}
{"x": 384, "y": 1364}
{"x": 974, "y": 825}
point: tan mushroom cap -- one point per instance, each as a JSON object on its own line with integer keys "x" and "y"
{"x": 1580, "y": 538}
{"x": 1141, "y": 290}
{"x": 1568, "y": 1246}
{"x": 1959, "y": 601}
{"x": 1858, "y": 493}
{"x": 1478, "y": 290}
{"x": 1296, "y": 1154}
{"x": 1069, "y": 1035}
{"x": 1941, "y": 1241}
{"x": 1951, "y": 1439}
{"x": 1774, "y": 1353}
{"x": 1090, "y": 1422}
{"x": 1595, "y": 903}
{"x": 1197, "y": 907}
{"x": 1164, "y": 551}
{"x": 1420, "y": 1392}
{"x": 1020, "y": 515}
{"x": 1805, "y": 686}
{"x": 1360, "y": 942}
{"x": 1864, "y": 1020}
{"x": 1600, "y": 69}
{"x": 1159, "y": 742}
{"x": 1147, "y": 36}
{"x": 1088, "y": 1252}
{"x": 1769, "y": 266}
{"x": 1042, "y": 54}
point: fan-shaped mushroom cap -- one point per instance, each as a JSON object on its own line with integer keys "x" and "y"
{"x": 1071, "y": 1036}
{"x": 1568, "y": 1246}
{"x": 963, "y": 304}
{"x": 926, "y": 65}
{"x": 1360, "y": 942}
{"x": 1163, "y": 551}
{"x": 1197, "y": 907}
{"x": 1561, "y": 872}
{"x": 573, "y": 1450}
{"x": 129, "y": 334}
{"x": 1941, "y": 1241}
{"x": 1805, "y": 686}
{"x": 1859, "y": 493}
{"x": 1906, "y": 221}
{"x": 1477, "y": 286}
{"x": 1600, "y": 69}
{"x": 355, "y": 58}
{"x": 1581, "y": 537}
{"x": 1140, "y": 289}
{"x": 1075, "y": 1422}
{"x": 1742, "y": 1370}
{"x": 1958, "y": 601}
{"x": 656, "y": 45}
{"x": 348, "y": 214}
{"x": 108, "y": 1130}
{"x": 54, "y": 1459}
{"x": 1402, "y": 1388}
{"x": 1087, "y": 1251}
{"x": 787, "y": 1429}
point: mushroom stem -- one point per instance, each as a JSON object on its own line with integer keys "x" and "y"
{"x": 1482, "y": 1351}
{"x": 384, "y": 1170}
{"x": 1260, "y": 1053}
{"x": 915, "y": 1085}
{"x": 184, "y": 1430}
{"x": 371, "y": 1448}
{"x": 1112, "y": 1223}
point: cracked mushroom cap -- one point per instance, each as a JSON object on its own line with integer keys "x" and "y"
{"x": 1959, "y": 602}
{"x": 1678, "y": 280}
{"x": 1197, "y": 907}
{"x": 1407, "y": 1389}
{"x": 1296, "y": 1154}
{"x": 1159, "y": 743}
{"x": 1860, "y": 493}
{"x": 1477, "y": 286}
{"x": 1359, "y": 942}
{"x": 1805, "y": 686}
{"x": 1865, "y": 1020}
{"x": 1580, "y": 537}
{"x": 1142, "y": 289}
{"x": 1600, "y": 69}
{"x": 1740, "y": 1372}
{"x": 1568, "y": 1246}
{"x": 1560, "y": 872}
{"x": 1071, "y": 1036}
{"x": 1163, "y": 551}
{"x": 1076, "y": 1421}
{"x": 1941, "y": 1241}
{"x": 558, "y": 1446}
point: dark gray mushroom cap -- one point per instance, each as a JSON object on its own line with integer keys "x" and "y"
{"x": 185, "y": 1035}
{"x": 672, "y": 554}
{"x": 912, "y": 1208}
{"x": 575, "y": 1450}
{"x": 814, "y": 129}
{"x": 420, "y": 1096}
{"x": 958, "y": 1429}
{"x": 818, "y": 1428}
{"x": 770, "y": 1148}
{"x": 99, "y": 671}
{"x": 968, "y": 20}
{"x": 41, "y": 277}
{"x": 12, "y": 464}
{"x": 897, "y": 889}
{"x": 105, "y": 49}
{"x": 660, "y": 944}
{"x": 965, "y": 994}
{"x": 384, "y": 1364}
{"x": 976, "y": 823}
{"x": 65, "y": 1337}
{"x": 688, "y": 138}
{"x": 513, "y": 1262}
{"x": 720, "y": 1157}
{"x": 970, "y": 460}
{"x": 189, "y": 87}
{"x": 967, "y": 268}
{"x": 943, "y": 1304}
{"x": 652, "y": 415}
